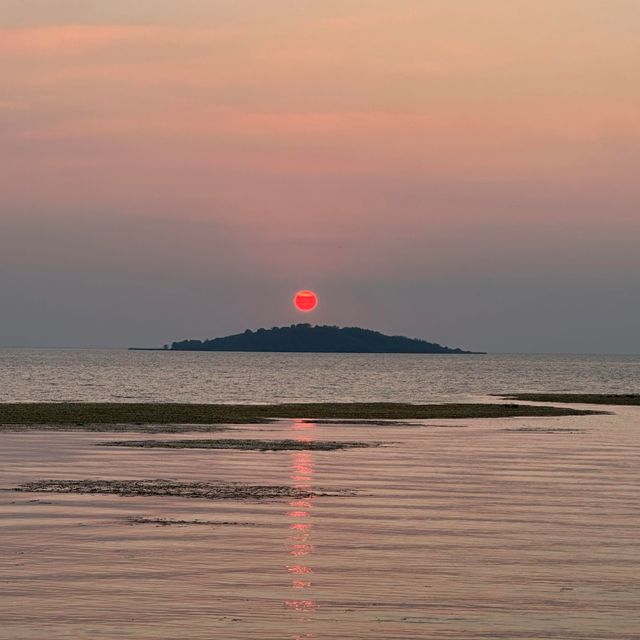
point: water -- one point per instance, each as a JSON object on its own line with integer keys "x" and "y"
{"x": 513, "y": 529}
{"x": 474, "y": 531}
{"x": 35, "y": 375}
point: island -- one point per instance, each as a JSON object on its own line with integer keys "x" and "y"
{"x": 306, "y": 338}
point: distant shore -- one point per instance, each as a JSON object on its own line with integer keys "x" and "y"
{"x": 408, "y": 353}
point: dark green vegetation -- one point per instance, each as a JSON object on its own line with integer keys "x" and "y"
{"x": 85, "y": 416}
{"x": 202, "y": 490}
{"x": 253, "y": 445}
{"x": 584, "y": 398}
{"x": 314, "y": 339}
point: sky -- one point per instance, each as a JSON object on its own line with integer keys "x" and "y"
{"x": 460, "y": 171}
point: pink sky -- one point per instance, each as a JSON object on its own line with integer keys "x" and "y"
{"x": 460, "y": 171}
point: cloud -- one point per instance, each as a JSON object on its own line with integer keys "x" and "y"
{"x": 69, "y": 39}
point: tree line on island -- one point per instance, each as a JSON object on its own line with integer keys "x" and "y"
{"x": 314, "y": 339}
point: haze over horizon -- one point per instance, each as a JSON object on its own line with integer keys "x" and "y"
{"x": 465, "y": 173}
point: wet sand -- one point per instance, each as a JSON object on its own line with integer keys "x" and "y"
{"x": 511, "y": 528}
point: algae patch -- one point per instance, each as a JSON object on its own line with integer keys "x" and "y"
{"x": 543, "y": 430}
{"x": 171, "y": 488}
{"x": 578, "y": 398}
{"x": 363, "y": 423}
{"x": 168, "y": 522}
{"x": 248, "y": 445}
{"x": 88, "y": 414}
{"x": 115, "y": 428}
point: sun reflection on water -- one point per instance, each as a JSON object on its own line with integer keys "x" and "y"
{"x": 299, "y": 541}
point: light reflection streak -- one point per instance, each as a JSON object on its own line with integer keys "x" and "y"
{"x": 299, "y": 569}
{"x": 299, "y": 540}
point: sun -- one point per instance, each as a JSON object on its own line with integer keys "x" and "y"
{"x": 305, "y": 300}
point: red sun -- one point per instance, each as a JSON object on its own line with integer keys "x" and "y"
{"x": 305, "y": 300}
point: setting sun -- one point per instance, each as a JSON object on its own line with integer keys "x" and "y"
{"x": 305, "y": 300}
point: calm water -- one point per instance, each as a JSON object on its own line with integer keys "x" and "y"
{"x": 475, "y": 531}
{"x": 130, "y": 376}
{"x": 512, "y": 529}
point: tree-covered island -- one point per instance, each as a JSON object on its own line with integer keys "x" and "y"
{"x": 315, "y": 339}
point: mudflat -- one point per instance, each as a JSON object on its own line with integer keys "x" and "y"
{"x": 162, "y": 487}
{"x": 93, "y": 416}
{"x": 579, "y": 398}
{"x": 242, "y": 444}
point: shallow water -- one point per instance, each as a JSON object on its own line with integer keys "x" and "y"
{"x": 28, "y": 375}
{"x": 459, "y": 529}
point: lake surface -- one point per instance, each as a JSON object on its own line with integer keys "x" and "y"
{"x": 32, "y": 375}
{"x": 460, "y": 530}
